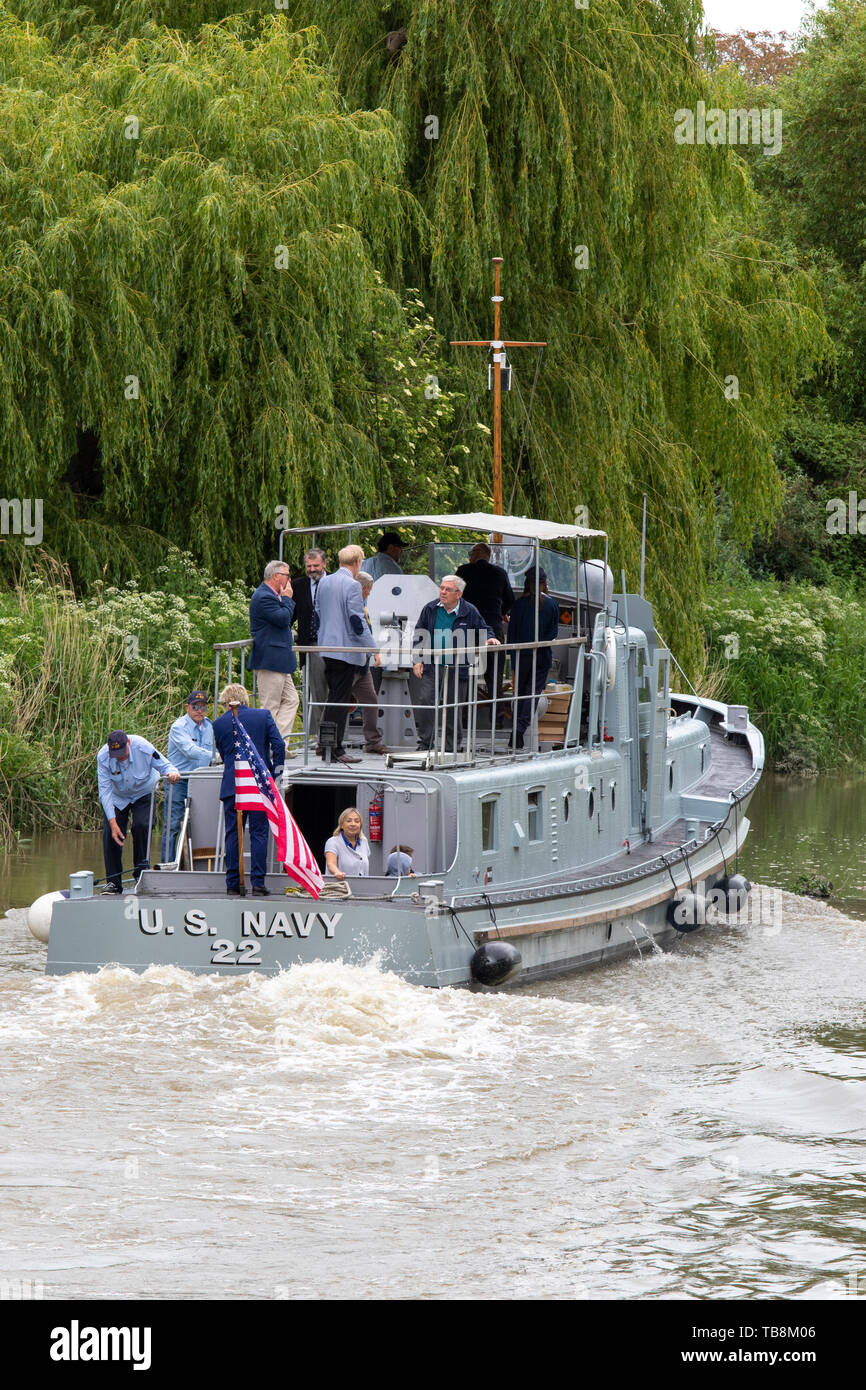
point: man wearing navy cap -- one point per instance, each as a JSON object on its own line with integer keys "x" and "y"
{"x": 190, "y": 746}
{"x": 127, "y": 770}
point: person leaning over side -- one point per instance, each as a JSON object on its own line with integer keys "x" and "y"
{"x": 400, "y": 862}
{"x": 266, "y": 739}
{"x": 446, "y": 621}
{"x": 521, "y": 628}
{"x": 190, "y": 746}
{"x": 273, "y": 656}
{"x": 363, "y": 688}
{"x": 127, "y": 770}
{"x": 342, "y": 624}
{"x": 347, "y": 853}
{"x": 304, "y": 592}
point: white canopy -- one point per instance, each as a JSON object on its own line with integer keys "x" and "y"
{"x": 522, "y": 526}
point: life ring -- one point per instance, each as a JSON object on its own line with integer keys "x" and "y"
{"x": 610, "y": 656}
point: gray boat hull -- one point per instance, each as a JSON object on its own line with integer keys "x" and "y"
{"x": 426, "y": 941}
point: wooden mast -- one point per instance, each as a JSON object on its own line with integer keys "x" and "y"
{"x": 497, "y": 346}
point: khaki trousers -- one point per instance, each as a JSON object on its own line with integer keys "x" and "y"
{"x": 278, "y": 694}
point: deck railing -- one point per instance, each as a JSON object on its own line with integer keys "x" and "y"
{"x": 470, "y": 722}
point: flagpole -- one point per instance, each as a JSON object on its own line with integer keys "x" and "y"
{"x": 240, "y": 831}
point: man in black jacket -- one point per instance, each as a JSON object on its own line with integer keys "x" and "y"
{"x": 305, "y": 588}
{"x": 488, "y": 588}
{"x": 448, "y": 634}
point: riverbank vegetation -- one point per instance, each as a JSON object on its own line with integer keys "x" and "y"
{"x": 235, "y": 246}
{"x": 72, "y": 668}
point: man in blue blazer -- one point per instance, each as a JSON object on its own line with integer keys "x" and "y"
{"x": 265, "y": 737}
{"x": 273, "y": 657}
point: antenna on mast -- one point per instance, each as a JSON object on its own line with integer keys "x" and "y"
{"x": 378, "y": 439}
{"x": 501, "y": 370}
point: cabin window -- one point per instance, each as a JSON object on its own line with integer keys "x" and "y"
{"x": 643, "y": 678}
{"x": 702, "y": 759}
{"x": 591, "y": 805}
{"x": 613, "y": 796}
{"x": 489, "y": 829}
{"x": 566, "y": 805}
{"x": 670, "y": 776}
{"x": 533, "y": 816}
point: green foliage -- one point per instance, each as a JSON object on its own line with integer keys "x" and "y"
{"x": 154, "y": 258}
{"x": 794, "y": 654}
{"x": 418, "y": 397}
{"x": 167, "y": 630}
{"x": 157, "y": 257}
{"x": 813, "y": 191}
{"x": 555, "y": 131}
{"x": 71, "y": 670}
{"x": 822, "y": 168}
{"x": 144, "y": 297}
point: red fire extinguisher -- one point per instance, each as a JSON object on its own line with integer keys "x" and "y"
{"x": 375, "y": 819}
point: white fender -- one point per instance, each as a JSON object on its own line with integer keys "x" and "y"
{"x": 39, "y": 915}
{"x": 610, "y": 656}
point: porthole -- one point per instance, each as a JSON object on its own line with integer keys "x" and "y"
{"x": 591, "y": 803}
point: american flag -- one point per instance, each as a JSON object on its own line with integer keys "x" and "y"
{"x": 255, "y": 790}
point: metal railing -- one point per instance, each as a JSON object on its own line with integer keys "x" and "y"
{"x": 230, "y": 648}
{"x": 457, "y": 699}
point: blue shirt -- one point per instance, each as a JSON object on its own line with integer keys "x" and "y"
{"x": 190, "y": 745}
{"x": 521, "y": 628}
{"x": 399, "y": 864}
{"x": 122, "y": 783}
{"x": 381, "y": 563}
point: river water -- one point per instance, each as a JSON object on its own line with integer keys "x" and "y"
{"x": 682, "y": 1125}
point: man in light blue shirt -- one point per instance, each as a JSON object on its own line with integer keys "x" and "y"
{"x": 190, "y": 746}
{"x": 387, "y": 558}
{"x": 127, "y": 770}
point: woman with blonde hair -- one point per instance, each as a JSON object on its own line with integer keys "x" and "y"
{"x": 347, "y": 853}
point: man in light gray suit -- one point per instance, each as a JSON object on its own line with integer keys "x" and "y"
{"x": 342, "y": 624}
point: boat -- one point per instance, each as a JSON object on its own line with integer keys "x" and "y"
{"x": 619, "y": 822}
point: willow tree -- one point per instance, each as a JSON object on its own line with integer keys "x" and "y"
{"x": 544, "y": 133}
{"x": 188, "y": 284}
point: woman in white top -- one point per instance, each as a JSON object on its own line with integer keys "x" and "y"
{"x": 347, "y": 853}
